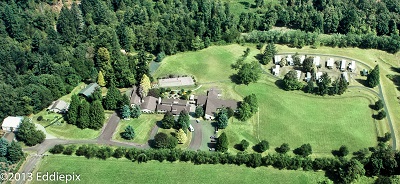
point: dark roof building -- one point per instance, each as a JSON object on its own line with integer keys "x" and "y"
{"x": 134, "y": 97}
{"x": 58, "y": 106}
{"x": 163, "y": 108}
{"x": 213, "y": 103}
{"x": 89, "y": 89}
{"x": 176, "y": 109}
{"x": 201, "y": 100}
{"x": 149, "y": 104}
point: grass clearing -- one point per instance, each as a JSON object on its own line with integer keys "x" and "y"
{"x": 64, "y": 130}
{"x": 124, "y": 171}
{"x": 141, "y": 125}
{"x": 295, "y": 118}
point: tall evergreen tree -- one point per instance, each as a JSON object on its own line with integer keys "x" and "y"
{"x": 14, "y": 153}
{"x": 268, "y": 53}
{"x": 222, "y": 120}
{"x": 125, "y": 112}
{"x": 145, "y": 85}
{"x": 83, "y": 120}
{"x": 100, "y": 79}
{"x": 222, "y": 143}
{"x": 96, "y": 115}
{"x": 3, "y": 147}
{"x": 135, "y": 111}
{"x": 112, "y": 98}
{"x": 73, "y": 109}
{"x": 183, "y": 120}
{"x": 373, "y": 77}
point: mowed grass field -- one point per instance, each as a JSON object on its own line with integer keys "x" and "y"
{"x": 141, "y": 125}
{"x": 388, "y": 64}
{"x": 124, "y": 171}
{"x": 295, "y": 118}
{"x": 285, "y": 117}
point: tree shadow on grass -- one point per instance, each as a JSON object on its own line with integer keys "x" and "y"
{"x": 235, "y": 79}
{"x": 238, "y": 147}
{"x": 151, "y": 143}
{"x": 257, "y": 149}
{"x": 363, "y": 82}
{"x": 159, "y": 124}
{"x": 279, "y": 84}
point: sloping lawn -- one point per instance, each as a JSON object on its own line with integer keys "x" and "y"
{"x": 142, "y": 126}
{"x": 124, "y": 171}
{"x": 207, "y": 65}
{"x": 296, "y": 118}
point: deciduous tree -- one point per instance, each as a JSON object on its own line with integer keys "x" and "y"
{"x": 168, "y": 121}
{"x": 373, "y": 77}
{"x": 181, "y": 136}
{"x": 222, "y": 143}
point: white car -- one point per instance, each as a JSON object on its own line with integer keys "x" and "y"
{"x": 191, "y": 128}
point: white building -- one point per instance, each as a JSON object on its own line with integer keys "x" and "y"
{"x": 277, "y": 59}
{"x": 308, "y": 77}
{"x": 317, "y": 61}
{"x": 298, "y": 74}
{"x": 352, "y": 66}
{"x": 318, "y": 76}
{"x": 343, "y": 65}
{"x": 329, "y": 63}
{"x": 345, "y": 76}
{"x": 302, "y": 58}
{"x": 275, "y": 70}
{"x": 289, "y": 60}
{"x": 11, "y": 123}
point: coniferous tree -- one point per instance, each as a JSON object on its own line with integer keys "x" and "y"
{"x": 125, "y": 112}
{"x": 373, "y": 77}
{"x": 199, "y": 112}
{"x": 168, "y": 121}
{"x": 73, "y": 110}
{"x": 28, "y": 134}
{"x": 100, "y": 79}
{"x": 112, "y": 97}
{"x": 14, "y": 152}
{"x": 129, "y": 133}
{"x": 96, "y": 115}
{"x": 145, "y": 85}
{"x": 183, "y": 120}
{"x": 3, "y": 147}
{"x": 96, "y": 95}
{"x": 268, "y": 53}
{"x": 222, "y": 143}
{"x": 83, "y": 120}
{"x": 135, "y": 111}
{"x": 222, "y": 120}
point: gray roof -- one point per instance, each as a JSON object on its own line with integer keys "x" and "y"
{"x": 149, "y": 103}
{"x": 89, "y": 89}
{"x": 176, "y": 109}
{"x": 213, "y": 104}
{"x": 201, "y": 100}
{"x": 213, "y": 93}
{"x": 161, "y": 107}
{"x": 172, "y": 101}
{"x": 58, "y": 105}
{"x": 134, "y": 97}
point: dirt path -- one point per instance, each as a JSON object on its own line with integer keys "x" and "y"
{"x": 197, "y": 136}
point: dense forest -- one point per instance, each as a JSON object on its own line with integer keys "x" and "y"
{"x": 45, "y": 53}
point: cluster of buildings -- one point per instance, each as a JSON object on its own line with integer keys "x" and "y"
{"x": 211, "y": 103}
{"x": 344, "y": 67}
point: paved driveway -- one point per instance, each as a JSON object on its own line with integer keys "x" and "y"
{"x": 197, "y": 136}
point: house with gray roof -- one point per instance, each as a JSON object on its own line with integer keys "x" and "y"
{"x": 149, "y": 105}
{"x": 134, "y": 98}
{"x": 213, "y": 103}
{"x": 58, "y": 106}
{"x": 89, "y": 89}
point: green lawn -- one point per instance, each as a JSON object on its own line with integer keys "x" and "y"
{"x": 65, "y": 130}
{"x": 295, "y": 118}
{"x": 141, "y": 125}
{"x": 205, "y": 64}
{"x": 124, "y": 171}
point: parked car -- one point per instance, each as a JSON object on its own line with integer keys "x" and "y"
{"x": 191, "y": 128}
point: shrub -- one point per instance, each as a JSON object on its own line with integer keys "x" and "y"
{"x": 57, "y": 149}
{"x": 40, "y": 118}
{"x": 104, "y": 152}
{"x": 378, "y": 105}
{"x": 69, "y": 150}
{"x": 284, "y": 148}
{"x": 381, "y": 115}
{"x": 244, "y": 145}
{"x": 81, "y": 150}
{"x": 262, "y": 146}
{"x": 129, "y": 133}
{"x": 119, "y": 152}
{"x": 304, "y": 150}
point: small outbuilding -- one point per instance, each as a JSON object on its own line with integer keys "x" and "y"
{"x": 89, "y": 89}
{"x": 343, "y": 65}
{"x": 289, "y": 60}
{"x": 318, "y": 76}
{"x": 11, "y": 123}
{"x": 352, "y": 66}
{"x": 345, "y": 76}
{"x": 58, "y": 106}
{"x": 302, "y": 58}
{"x": 308, "y": 77}
{"x": 277, "y": 59}
{"x": 329, "y": 63}
{"x": 298, "y": 74}
{"x": 275, "y": 70}
{"x": 317, "y": 61}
